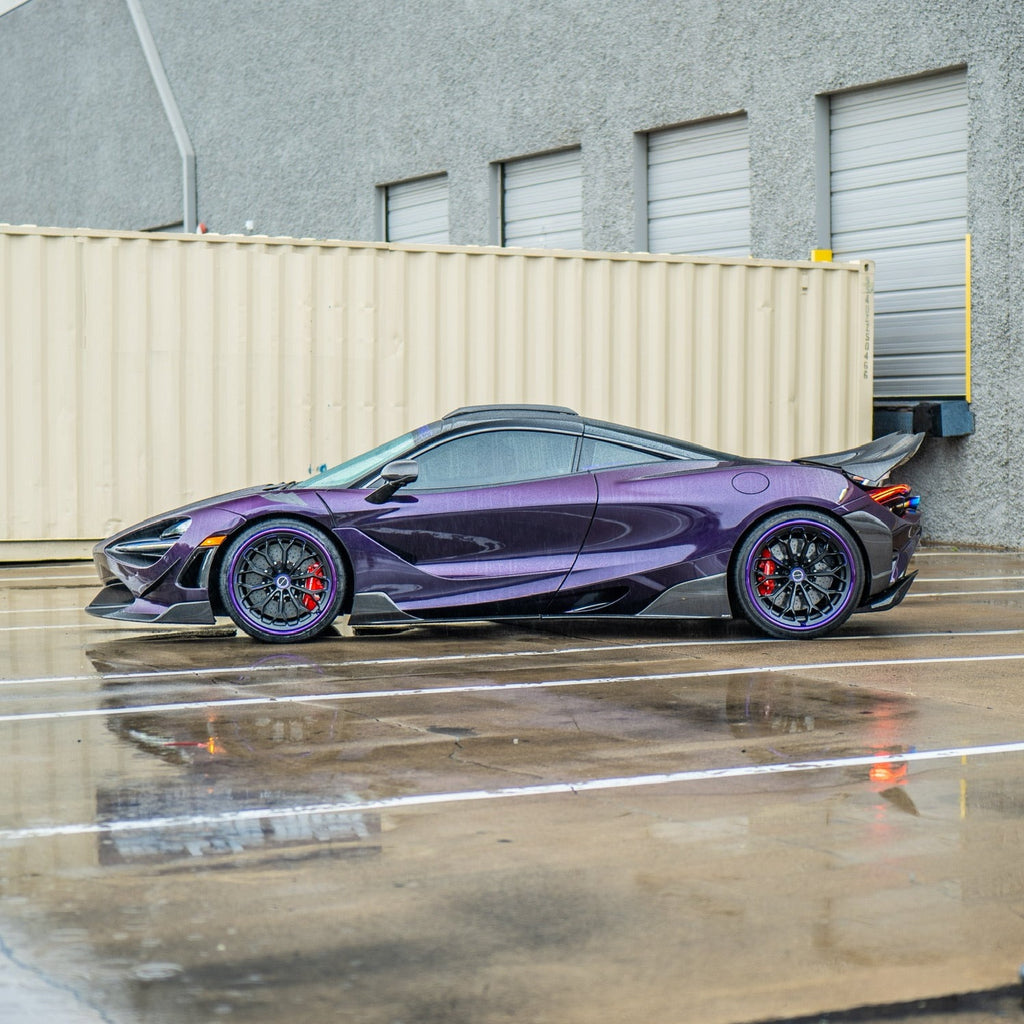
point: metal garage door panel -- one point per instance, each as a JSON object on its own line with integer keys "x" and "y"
{"x": 417, "y": 211}
{"x": 698, "y": 189}
{"x": 899, "y": 197}
{"x": 542, "y": 201}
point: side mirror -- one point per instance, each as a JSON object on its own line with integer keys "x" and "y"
{"x": 395, "y": 474}
{"x": 402, "y": 471}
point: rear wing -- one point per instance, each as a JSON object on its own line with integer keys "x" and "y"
{"x": 871, "y": 463}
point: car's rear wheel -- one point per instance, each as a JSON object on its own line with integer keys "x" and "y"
{"x": 283, "y": 581}
{"x": 798, "y": 574}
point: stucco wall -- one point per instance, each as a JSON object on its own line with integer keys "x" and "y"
{"x": 298, "y": 108}
{"x": 84, "y": 137}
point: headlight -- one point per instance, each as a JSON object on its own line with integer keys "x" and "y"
{"x": 176, "y": 530}
{"x": 146, "y": 547}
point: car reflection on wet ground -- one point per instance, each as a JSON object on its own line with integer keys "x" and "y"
{"x": 487, "y": 823}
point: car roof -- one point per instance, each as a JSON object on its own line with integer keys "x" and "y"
{"x": 474, "y": 417}
{"x": 559, "y": 417}
{"x": 503, "y": 411}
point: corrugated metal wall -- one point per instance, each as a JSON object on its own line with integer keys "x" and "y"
{"x": 141, "y": 371}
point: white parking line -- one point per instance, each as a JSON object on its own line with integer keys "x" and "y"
{"x": 441, "y": 659}
{"x": 38, "y": 611}
{"x": 109, "y": 627}
{"x": 41, "y": 611}
{"x": 130, "y": 626}
{"x": 967, "y": 579}
{"x": 545, "y": 684}
{"x": 467, "y": 796}
{"x": 959, "y": 554}
{"x": 85, "y": 577}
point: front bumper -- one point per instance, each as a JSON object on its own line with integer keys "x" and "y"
{"x": 116, "y": 601}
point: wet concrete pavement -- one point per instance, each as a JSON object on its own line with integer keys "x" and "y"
{"x": 494, "y": 823}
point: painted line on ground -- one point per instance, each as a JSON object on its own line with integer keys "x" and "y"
{"x": 130, "y": 626}
{"x": 69, "y": 627}
{"x": 960, "y": 554}
{"x": 967, "y": 579}
{"x": 544, "y": 684}
{"x": 468, "y": 796}
{"x": 85, "y": 577}
{"x": 920, "y": 582}
{"x": 442, "y": 659}
{"x": 39, "y": 611}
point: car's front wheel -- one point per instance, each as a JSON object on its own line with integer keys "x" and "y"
{"x": 798, "y": 574}
{"x": 283, "y": 581}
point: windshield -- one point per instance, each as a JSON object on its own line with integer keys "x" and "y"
{"x": 349, "y": 473}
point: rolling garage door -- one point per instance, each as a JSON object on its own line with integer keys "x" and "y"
{"x": 542, "y": 201}
{"x": 698, "y": 189}
{"x": 417, "y": 211}
{"x": 898, "y": 182}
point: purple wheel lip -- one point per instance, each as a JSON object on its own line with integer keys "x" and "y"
{"x": 757, "y": 599}
{"x": 325, "y": 561}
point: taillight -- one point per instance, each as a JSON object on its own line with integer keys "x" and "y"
{"x": 889, "y": 772}
{"x": 896, "y": 498}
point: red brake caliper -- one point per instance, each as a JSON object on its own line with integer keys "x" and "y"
{"x": 765, "y": 570}
{"x": 315, "y": 583}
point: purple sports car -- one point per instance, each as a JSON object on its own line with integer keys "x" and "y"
{"x": 516, "y": 512}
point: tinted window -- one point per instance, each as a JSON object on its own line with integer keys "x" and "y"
{"x": 597, "y": 454}
{"x": 495, "y": 457}
{"x": 669, "y": 447}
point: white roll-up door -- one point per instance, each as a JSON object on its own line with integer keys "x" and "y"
{"x": 417, "y": 211}
{"x": 698, "y": 188}
{"x": 899, "y": 197}
{"x": 542, "y": 201}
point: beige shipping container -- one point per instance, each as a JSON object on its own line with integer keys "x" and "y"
{"x": 143, "y": 371}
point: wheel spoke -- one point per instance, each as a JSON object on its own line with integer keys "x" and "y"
{"x": 827, "y": 594}
{"x": 254, "y": 587}
{"x": 809, "y": 605}
{"x": 250, "y": 566}
{"x": 286, "y": 554}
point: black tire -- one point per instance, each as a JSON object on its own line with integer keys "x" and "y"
{"x": 798, "y": 574}
{"x": 283, "y": 581}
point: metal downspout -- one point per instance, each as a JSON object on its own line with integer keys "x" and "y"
{"x": 163, "y": 87}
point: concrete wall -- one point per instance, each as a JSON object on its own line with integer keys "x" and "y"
{"x": 298, "y": 109}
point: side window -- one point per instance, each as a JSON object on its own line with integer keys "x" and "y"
{"x": 495, "y": 457}
{"x": 597, "y": 454}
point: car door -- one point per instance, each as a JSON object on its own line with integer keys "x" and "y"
{"x": 655, "y": 520}
{"x": 494, "y": 522}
